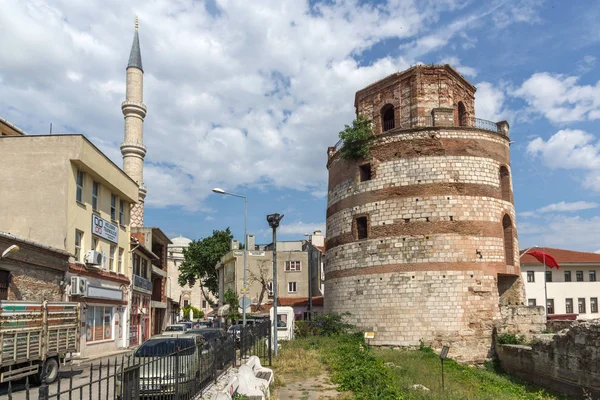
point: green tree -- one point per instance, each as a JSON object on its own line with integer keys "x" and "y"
{"x": 200, "y": 259}
{"x": 231, "y": 299}
{"x": 196, "y": 313}
{"x": 357, "y": 139}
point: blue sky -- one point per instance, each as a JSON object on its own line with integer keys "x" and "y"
{"x": 248, "y": 95}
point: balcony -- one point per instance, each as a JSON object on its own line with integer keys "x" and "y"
{"x": 430, "y": 122}
{"x": 158, "y": 271}
{"x": 142, "y": 285}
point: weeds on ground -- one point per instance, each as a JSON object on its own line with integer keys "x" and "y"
{"x": 509, "y": 338}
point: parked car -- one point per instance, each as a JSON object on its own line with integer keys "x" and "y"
{"x": 219, "y": 340}
{"x": 158, "y": 375}
{"x": 203, "y": 324}
{"x": 182, "y": 328}
{"x": 188, "y": 324}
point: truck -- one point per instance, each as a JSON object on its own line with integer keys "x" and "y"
{"x": 35, "y": 338}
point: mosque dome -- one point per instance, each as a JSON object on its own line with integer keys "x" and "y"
{"x": 180, "y": 242}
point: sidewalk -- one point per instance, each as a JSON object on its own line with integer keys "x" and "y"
{"x": 104, "y": 357}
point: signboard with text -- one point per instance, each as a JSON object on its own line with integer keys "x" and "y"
{"x": 104, "y": 229}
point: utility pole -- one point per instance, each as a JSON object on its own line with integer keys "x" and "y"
{"x": 273, "y": 220}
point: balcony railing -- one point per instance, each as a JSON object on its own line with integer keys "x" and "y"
{"x": 427, "y": 121}
{"x": 142, "y": 284}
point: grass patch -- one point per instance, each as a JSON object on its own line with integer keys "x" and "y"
{"x": 413, "y": 367}
{"x": 297, "y": 360}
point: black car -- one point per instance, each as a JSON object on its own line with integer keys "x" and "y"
{"x": 219, "y": 340}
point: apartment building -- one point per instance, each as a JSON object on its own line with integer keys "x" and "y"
{"x": 573, "y": 289}
{"x": 63, "y": 192}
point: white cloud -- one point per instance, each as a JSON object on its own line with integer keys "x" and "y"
{"x": 518, "y": 11}
{"x": 489, "y": 102}
{"x": 297, "y": 228}
{"x": 254, "y": 105}
{"x": 563, "y": 232}
{"x": 209, "y": 218}
{"x": 571, "y": 149}
{"x": 559, "y": 98}
{"x": 463, "y": 69}
{"x": 562, "y": 207}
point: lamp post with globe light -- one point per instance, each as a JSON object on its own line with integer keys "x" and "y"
{"x": 244, "y": 289}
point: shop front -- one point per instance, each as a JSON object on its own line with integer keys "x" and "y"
{"x": 103, "y": 314}
{"x": 139, "y": 329}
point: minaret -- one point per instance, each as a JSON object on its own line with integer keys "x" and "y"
{"x": 132, "y": 148}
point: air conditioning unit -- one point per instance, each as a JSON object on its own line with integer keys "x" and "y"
{"x": 93, "y": 257}
{"x": 79, "y": 286}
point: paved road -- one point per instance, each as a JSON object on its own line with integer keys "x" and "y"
{"x": 78, "y": 378}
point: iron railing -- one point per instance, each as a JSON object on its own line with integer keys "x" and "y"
{"x": 180, "y": 374}
{"x": 427, "y": 121}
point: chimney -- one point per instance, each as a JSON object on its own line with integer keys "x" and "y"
{"x": 317, "y": 239}
{"x": 235, "y": 245}
{"x": 250, "y": 242}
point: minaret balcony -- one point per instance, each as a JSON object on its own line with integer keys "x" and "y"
{"x": 133, "y": 149}
{"x": 133, "y": 107}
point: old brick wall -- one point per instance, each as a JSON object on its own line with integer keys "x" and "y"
{"x": 568, "y": 363}
{"x": 521, "y": 320}
{"x": 35, "y": 284}
{"x": 436, "y": 257}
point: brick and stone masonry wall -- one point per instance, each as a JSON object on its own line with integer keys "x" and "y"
{"x": 569, "y": 362}
{"x": 437, "y": 258}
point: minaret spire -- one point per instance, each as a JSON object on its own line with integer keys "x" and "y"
{"x": 134, "y": 111}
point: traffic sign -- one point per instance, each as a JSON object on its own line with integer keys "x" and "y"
{"x": 244, "y": 302}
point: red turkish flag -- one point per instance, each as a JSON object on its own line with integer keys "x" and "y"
{"x": 544, "y": 258}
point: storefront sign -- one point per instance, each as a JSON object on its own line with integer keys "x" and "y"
{"x": 104, "y": 229}
{"x": 104, "y": 293}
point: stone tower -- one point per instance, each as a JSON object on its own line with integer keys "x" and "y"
{"x": 422, "y": 243}
{"x": 134, "y": 110}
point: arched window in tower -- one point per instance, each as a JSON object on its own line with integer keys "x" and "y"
{"x": 387, "y": 117}
{"x": 462, "y": 114}
{"x": 505, "y": 183}
{"x": 509, "y": 253}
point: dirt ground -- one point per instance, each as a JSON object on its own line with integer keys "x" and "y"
{"x": 313, "y": 388}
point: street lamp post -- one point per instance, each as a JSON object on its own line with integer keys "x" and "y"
{"x": 545, "y": 281}
{"x": 244, "y": 289}
{"x": 10, "y": 250}
{"x": 273, "y": 220}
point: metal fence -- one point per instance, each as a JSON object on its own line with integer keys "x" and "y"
{"x": 171, "y": 369}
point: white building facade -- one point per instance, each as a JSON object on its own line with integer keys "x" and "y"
{"x": 573, "y": 289}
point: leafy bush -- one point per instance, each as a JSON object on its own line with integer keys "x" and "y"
{"x": 331, "y": 324}
{"x": 303, "y": 329}
{"x": 509, "y": 338}
{"x": 354, "y": 367}
{"x": 197, "y": 314}
{"x": 357, "y": 139}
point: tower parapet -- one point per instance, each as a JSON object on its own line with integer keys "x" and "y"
{"x": 134, "y": 111}
{"x": 422, "y": 243}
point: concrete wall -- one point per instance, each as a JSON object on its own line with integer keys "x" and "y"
{"x": 568, "y": 363}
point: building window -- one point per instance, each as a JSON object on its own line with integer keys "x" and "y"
{"x": 79, "y": 192}
{"x": 592, "y": 276}
{"x": 204, "y": 304}
{"x": 121, "y": 212}
{"x": 291, "y": 266}
{"x": 111, "y": 261}
{"x": 579, "y": 275}
{"x": 361, "y": 228}
{"x": 95, "y": 193}
{"x": 581, "y": 304}
{"x": 364, "y": 172}
{"x": 144, "y": 268}
{"x": 387, "y": 117}
{"x": 569, "y": 306}
{"x": 509, "y": 253}
{"x": 530, "y": 276}
{"x": 531, "y": 302}
{"x": 270, "y": 286}
{"x": 186, "y": 303}
{"x": 548, "y": 276}
{"x": 291, "y": 287}
{"x": 136, "y": 264}
{"x": 94, "y": 243}
{"x": 594, "y": 304}
{"x": 550, "y": 306}
{"x": 567, "y": 276}
{"x": 113, "y": 207}
{"x": 78, "y": 240}
{"x": 505, "y": 183}
{"x": 462, "y": 114}
{"x": 98, "y": 323}
{"x": 121, "y": 251}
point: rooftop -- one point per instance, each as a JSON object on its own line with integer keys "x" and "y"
{"x": 562, "y": 256}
